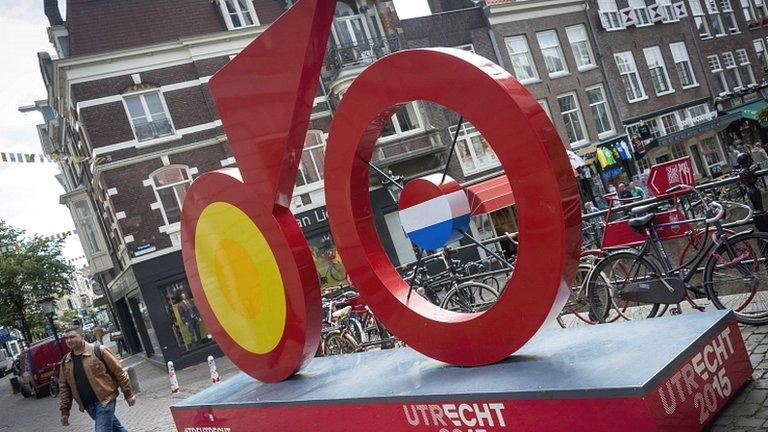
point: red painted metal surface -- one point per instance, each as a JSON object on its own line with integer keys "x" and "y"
{"x": 619, "y": 234}
{"x": 537, "y": 168}
{"x": 490, "y": 195}
{"x": 264, "y": 97}
{"x": 668, "y": 174}
{"x": 686, "y": 398}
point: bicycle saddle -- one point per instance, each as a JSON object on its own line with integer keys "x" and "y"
{"x": 645, "y": 209}
{"x": 342, "y": 313}
{"x": 639, "y": 223}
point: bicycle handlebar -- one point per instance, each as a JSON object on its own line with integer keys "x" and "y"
{"x": 719, "y": 215}
{"x": 682, "y": 186}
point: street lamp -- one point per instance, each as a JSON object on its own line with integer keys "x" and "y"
{"x": 48, "y": 306}
{"x": 394, "y": 185}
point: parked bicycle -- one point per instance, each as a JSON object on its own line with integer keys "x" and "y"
{"x": 636, "y": 283}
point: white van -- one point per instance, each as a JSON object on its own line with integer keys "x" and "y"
{"x": 8, "y": 354}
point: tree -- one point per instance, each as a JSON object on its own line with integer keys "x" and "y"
{"x": 762, "y": 116}
{"x": 31, "y": 269}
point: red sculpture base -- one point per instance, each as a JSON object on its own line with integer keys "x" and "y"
{"x": 672, "y": 373}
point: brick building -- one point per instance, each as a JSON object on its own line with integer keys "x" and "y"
{"x": 129, "y": 90}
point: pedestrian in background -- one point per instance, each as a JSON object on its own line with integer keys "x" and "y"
{"x": 623, "y": 192}
{"x": 91, "y": 375}
{"x": 636, "y": 190}
{"x": 98, "y": 333}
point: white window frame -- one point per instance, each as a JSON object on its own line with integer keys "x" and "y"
{"x": 612, "y": 129}
{"x": 711, "y": 6}
{"x": 155, "y": 189}
{"x": 572, "y": 41}
{"x": 88, "y": 228}
{"x": 668, "y": 11}
{"x": 681, "y": 48}
{"x": 399, "y": 133}
{"x": 652, "y": 54}
{"x": 640, "y": 9}
{"x": 579, "y": 116}
{"x": 466, "y": 133}
{"x": 735, "y": 29}
{"x": 309, "y": 187}
{"x": 609, "y": 15}
{"x": 742, "y": 58}
{"x": 700, "y": 22}
{"x": 228, "y": 18}
{"x": 715, "y": 18}
{"x": 716, "y": 68}
{"x": 527, "y": 54}
{"x": 729, "y": 61}
{"x": 142, "y": 97}
{"x": 630, "y": 61}
{"x": 558, "y": 48}
{"x": 678, "y": 124}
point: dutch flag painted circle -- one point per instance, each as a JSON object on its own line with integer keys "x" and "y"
{"x": 433, "y": 214}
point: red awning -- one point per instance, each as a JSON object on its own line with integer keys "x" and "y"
{"x": 490, "y": 195}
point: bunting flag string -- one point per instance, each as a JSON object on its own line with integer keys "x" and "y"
{"x": 31, "y": 158}
{"x": 10, "y": 248}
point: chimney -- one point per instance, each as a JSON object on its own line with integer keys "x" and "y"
{"x": 52, "y": 12}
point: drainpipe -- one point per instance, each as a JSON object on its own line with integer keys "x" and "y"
{"x": 492, "y": 35}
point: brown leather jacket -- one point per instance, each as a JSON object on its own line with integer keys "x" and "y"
{"x": 102, "y": 383}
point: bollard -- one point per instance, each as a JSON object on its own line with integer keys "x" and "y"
{"x": 172, "y": 376}
{"x": 134, "y": 379}
{"x": 212, "y": 368}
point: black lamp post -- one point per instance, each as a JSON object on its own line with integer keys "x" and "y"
{"x": 48, "y": 306}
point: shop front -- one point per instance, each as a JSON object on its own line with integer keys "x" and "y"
{"x": 606, "y": 165}
{"x": 157, "y": 312}
{"x": 746, "y": 131}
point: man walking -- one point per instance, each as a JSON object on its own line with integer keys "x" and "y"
{"x": 91, "y": 374}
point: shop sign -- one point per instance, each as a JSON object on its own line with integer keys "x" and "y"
{"x": 312, "y": 219}
{"x": 249, "y": 264}
{"x": 144, "y": 249}
{"x": 669, "y": 174}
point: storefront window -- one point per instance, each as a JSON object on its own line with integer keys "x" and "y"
{"x": 188, "y": 326}
{"x": 327, "y": 260}
{"x": 709, "y": 149}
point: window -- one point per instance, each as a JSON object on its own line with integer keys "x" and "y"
{"x": 670, "y": 123}
{"x": 717, "y": 71}
{"x": 760, "y": 51}
{"x": 171, "y": 186}
{"x": 730, "y": 23}
{"x": 600, "y": 110}
{"x": 188, "y": 328}
{"x": 633, "y": 87}
{"x": 749, "y": 12}
{"x": 683, "y": 64}
{"x": 466, "y": 47}
{"x": 642, "y": 18}
{"x": 698, "y": 114}
{"x": 522, "y": 62}
{"x": 725, "y": 6}
{"x": 732, "y": 71}
{"x": 701, "y": 25}
{"x": 545, "y": 107}
{"x": 86, "y": 227}
{"x": 149, "y": 116}
{"x": 659, "y": 76}
{"x": 475, "y": 154}
{"x": 582, "y": 51}
{"x": 667, "y": 11}
{"x": 711, "y": 6}
{"x": 745, "y": 65}
{"x": 574, "y": 123}
{"x": 406, "y": 119}
{"x": 553, "y": 54}
{"x": 696, "y": 9}
{"x": 709, "y": 149}
{"x": 717, "y": 25}
{"x": 238, "y": 13}
{"x": 311, "y": 166}
{"x": 609, "y": 15}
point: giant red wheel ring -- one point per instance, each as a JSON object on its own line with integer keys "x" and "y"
{"x": 538, "y": 170}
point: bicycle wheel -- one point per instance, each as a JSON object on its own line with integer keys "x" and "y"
{"x": 576, "y": 310}
{"x": 336, "y": 343}
{"x": 736, "y": 277}
{"x": 491, "y": 282}
{"x": 609, "y": 277}
{"x": 470, "y": 297}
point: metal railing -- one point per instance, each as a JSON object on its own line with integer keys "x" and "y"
{"x": 359, "y": 53}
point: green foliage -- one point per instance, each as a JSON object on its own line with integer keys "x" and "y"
{"x": 762, "y": 116}
{"x": 67, "y": 318}
{"x": 32, "y": 270}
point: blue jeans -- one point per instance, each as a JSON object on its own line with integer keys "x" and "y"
{"x": 105, "y": 417}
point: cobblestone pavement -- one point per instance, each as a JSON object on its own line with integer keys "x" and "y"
{"x": 748, "y": 412}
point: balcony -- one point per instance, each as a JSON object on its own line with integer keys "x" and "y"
{"x": 359, "y": 54}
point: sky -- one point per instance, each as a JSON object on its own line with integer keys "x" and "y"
{"x": 29, "y": 193}
{"x": 411, "y": 8}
